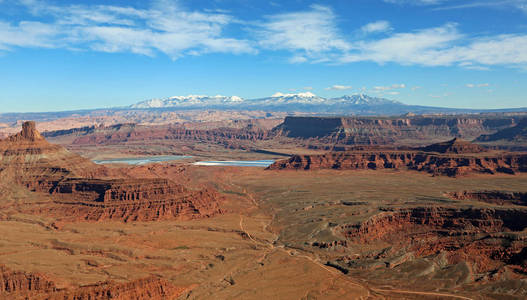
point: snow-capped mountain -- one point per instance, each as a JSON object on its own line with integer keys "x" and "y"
{"x": 280, "y": 99}
{"x": 362, "y": 99}
{"x": 358, "y": 104}
{"x": 306, "y": 98}
{"x": 189, "y": 101}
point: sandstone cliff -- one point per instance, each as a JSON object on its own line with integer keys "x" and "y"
{"x": 23, "y": 285}
{"x": 450, "y": 158}
{"x": 494, "y": 197}
{"x": 380, "y": 131}
{"x": 487, "y": 239}
{"x": 79, "y": 192}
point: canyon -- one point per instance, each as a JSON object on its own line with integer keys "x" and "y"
{"x": 378, "y": 219}
{"x": 290, "y": 135}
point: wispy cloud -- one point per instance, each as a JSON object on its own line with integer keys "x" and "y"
{"x": 416, "y": 2}
{"x": 307, "y": 36}
{"x": 389, "y": 87}
{"x": 443, "y": 46}
{"x": 420, "y": 47}
{"x": 28, "y": 34}
{"x": 478, "y": 85}
{"x": 165, "y": 27}
{"x": 465, "y": 4}
{"x": 338, "y": 87}
{"x": 494, "y": 4}
{"x": 311, "y": 34}
{"x": 378, "y": 26}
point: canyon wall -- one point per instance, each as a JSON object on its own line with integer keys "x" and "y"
{"x": 380, "y": 131}
{"x": 22, "y": 285}
{"x": 81, "y": 190}
{"x": 419, "y": 161}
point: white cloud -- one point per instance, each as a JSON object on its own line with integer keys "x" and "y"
{"x": 308, "y": 36}
{"x": 28, "y": 34}
{"x": 479, "y": 85}
{"x": 311, "y": 34}
{"x": 338, "y": 87}
{"x": 165, "y": 27}
{"x": 304, "y": 94}
{"x": 443, "y": 46}
{"x": 422, "y": 47}
{"x": 461, "y": 4}
{"x": 416, "y": 2}
{"x": 379, "y": 26}
{"x": 495, "y": 4}
{"x": 389, "y": 87}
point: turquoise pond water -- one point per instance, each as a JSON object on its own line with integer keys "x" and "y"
{"x": 236, "y": 163}
{"x": 141, "y": 160}
{"x": 157, "y": 159}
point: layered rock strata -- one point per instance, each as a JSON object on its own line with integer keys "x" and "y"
{"x": 487, "y": 238}
{"x": 449, "y": 158}
{"x": 21, "y": 285}
{"x": 79, "y": 192}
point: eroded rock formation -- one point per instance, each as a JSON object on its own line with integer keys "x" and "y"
{"x": 487, "y": 238}
{"x": 341, "y": 131}
{"x": 454, "y": 146}
{"x": 22, "y": 285}
{"x": 79, "y": 192}
{"x": 451, "y": 158}
{"x": 132, "y": 200}
{"x": 494, "y": 197}
{"x": 124, "y": 133}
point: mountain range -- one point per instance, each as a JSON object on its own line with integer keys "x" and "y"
{"x": 298, "y": 103}
{"x": 358, "y": 104}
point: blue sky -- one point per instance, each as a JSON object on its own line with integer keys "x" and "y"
{"x": 61, "y": 55}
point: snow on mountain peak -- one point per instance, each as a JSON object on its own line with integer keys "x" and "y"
{"x": 300, "y": 95}
{"x": 278, "y": 99}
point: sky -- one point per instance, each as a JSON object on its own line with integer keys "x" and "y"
{"x": 65, "y": 55}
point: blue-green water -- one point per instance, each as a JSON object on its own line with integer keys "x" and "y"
{"x": 141, "y": 160}
{"x": 237, "y": 163}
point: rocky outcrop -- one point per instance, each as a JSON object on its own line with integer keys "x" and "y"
{"x": 22, "y": 285}
{"x": 130, "y": 200}
{"x": 488, "y": 239}
{"x": 148, "y": 288}
{"x": 29, "y": 133}
{"x": 493, "y": 197}
{"x": 123, "y": 133}
{"x": 452, "y": 158}
{"x": 454, "y": 146}
{"x": 73, "y": 182}
{"x": 430, "y": 163}
{"x": 28, "y": 157}
{"x": 15, "y": 282}
{"x": 515, "y": 133}
{"x": 441, "y": 220}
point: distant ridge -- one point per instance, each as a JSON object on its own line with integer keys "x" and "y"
{"x": 296, "y": 103}
{"x": 307, "y": 102}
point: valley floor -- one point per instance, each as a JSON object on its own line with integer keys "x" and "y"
{"x": 282, "y": 237}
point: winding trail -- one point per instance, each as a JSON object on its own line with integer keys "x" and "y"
{"x": 372, "y": 292}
